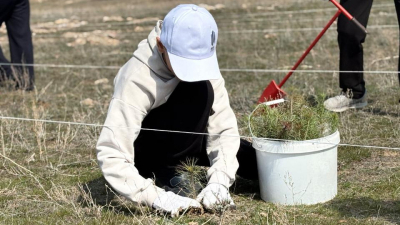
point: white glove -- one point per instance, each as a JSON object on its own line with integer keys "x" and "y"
{"x": 169, "y": 202}
{"x": 215, "y": 196}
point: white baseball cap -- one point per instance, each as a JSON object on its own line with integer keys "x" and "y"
{"x": 190, "y": 33}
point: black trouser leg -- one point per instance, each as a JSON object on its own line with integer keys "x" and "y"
{"x": 350, "y": 39}
{"x": 21, "y": 48}
{"x": 6, "y": 8}
{"x": 5, "y": 71}
{"x": 187, "y": 109}
{"x": 247, "y": 161}
{"x": 397, "y": 4}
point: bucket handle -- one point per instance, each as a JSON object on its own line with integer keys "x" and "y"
{"x": 274, "y": 102}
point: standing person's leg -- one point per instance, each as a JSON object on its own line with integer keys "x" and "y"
{"x": 350, "y": 39}
{"x": 5, "y": 71}
{"x": 20, "y": 38}
{"x": 6, "y": 7}
{"x": 397, "y": 4}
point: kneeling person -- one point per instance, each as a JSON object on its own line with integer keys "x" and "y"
{"x": 172, "y": 82}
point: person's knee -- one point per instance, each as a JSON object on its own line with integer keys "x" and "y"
{"x": 247, "y": 161}
{"x": 349, "y": 32}
{"x": 350, "y": 37}
{"x": 350, "y": 43}
{"x": 20, "y": 33}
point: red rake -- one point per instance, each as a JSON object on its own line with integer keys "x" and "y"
{"x": 274, "y": 91}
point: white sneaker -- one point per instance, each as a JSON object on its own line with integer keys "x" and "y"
{"x": 344, "y": 102}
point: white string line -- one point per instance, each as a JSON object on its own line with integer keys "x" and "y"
{"x": 309, "y": 71}
{"x": 223, "y": 21}
{"x": 301, "y": 19}
{"x": 104, "y": 24}
{"x": 61, "y": 66}
{"x": 226, "y": 22}
{"x": 222, "y": 70}
{"x": 60, "y": 34}
{"x": 270, "y": 13}
{"x": 195, "y": 133}
{"x": 294, "y": 1}
{"x": 303, "y": 11}
{"x": 333, "y": 28}
{"x": 287, "y": 21}
{"x": 225, "y": 17}
{"x": 283, "y": 30}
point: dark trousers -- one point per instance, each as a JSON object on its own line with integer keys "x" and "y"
{"x": 15, "y": 14}
{"x": 397, "y": 4}
{"x": 350, "y": 39}
{"x": 187, "y": 109}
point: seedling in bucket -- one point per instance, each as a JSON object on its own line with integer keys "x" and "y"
{"x": 294, "y": 119}
{"x": 274, "y": 91}
{"x": 296, "y": 150}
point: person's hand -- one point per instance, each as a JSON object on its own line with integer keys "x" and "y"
{"x": 216, "y": 196}
{"x": 168, "y": 202}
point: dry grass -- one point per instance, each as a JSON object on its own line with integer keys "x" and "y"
{"x": 49, "y": 172}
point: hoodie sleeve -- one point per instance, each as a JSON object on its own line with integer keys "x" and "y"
{"x": 222, "y": 148}
{"x": 115, "y": 151}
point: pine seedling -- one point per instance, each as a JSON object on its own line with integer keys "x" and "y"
{"x": 296, "y": 119}
{"x": 193, "y": 177}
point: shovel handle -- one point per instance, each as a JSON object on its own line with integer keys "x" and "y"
{"x": 309, "y": 48}
{"x": 343, "y": 10}
{"x": 348, "y": 15}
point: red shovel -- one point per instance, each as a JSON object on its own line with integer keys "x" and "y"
{"x": 274, "y": 91}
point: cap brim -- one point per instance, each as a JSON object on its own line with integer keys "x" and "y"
{"x": 192, "y": 70}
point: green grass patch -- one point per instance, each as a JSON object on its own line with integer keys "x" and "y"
{"x": 348, "y": 155}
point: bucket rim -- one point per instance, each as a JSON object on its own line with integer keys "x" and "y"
{"x": 292, "y": 146}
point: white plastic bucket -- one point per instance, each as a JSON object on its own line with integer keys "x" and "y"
{"x": 297, "y": 172}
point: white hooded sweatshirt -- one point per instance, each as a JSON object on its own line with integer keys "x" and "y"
{"x": 142, "y": 84}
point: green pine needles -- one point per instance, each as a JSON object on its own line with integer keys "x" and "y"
{"x": 296, "y": 119}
